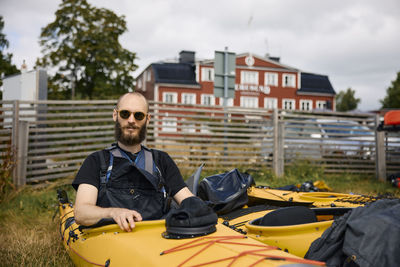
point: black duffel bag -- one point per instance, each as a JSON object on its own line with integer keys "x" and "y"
{"x": 225, "y": 192}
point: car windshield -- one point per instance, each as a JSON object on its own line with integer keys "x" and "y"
{"x": 303, "y": 130}
{"x": 346, "y": 129}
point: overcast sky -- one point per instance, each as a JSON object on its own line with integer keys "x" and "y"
{"x": 355, "y": 42}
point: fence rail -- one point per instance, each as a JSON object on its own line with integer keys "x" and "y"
{"x": 46, "y": 140}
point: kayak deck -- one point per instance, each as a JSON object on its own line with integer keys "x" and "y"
{"x": 144, "y": 246}
{"x": 295, "y": 239}
{"x": 316, "y": 199}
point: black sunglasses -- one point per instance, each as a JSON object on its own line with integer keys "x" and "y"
{"x": 125, "y": 114}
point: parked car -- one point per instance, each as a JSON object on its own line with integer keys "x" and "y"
{"x": 316, "y": 139}
{"x": 348, "y": 138}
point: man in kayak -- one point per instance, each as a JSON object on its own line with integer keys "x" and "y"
{"x": 127, "y": 182}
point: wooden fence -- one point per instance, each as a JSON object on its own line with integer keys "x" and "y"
{"x": 46, "y": 140}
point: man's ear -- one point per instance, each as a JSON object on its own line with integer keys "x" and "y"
{"x": 148, "y": 119}
{"x": 115, "y": 115}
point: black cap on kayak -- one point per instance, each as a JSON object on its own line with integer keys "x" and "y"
{"x": 192, "y": 218}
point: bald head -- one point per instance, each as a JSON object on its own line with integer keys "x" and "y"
{"x": 134, "y": 95}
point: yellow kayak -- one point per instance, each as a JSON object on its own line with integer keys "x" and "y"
{"x": 260, "y": 195}
{"x": 290, "y": 234}
{"x": 145, "y": 246}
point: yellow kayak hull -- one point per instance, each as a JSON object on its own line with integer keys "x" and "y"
{"x": 144, "y": 246}
{"x": 295, "y": 239}
{"x": 316, "y": 199}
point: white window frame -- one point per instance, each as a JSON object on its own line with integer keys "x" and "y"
{"x": 270, "y": 102}
{"x": 173, "y": 95}
{"x": 249, "y": 77}
{"x": 289, "y": 80}
{"x": 192, "y": 128}
{"x": 207, "y": 74}
{"x": 249, "y": 101}
{"x": 228, "y": 104}
{"x": 287, "y": 106}
{"x": 169, "y": 125}
{"x": 139, "y": 82}
{"x": 321, "y": 104}
{"x": 212, "y": 99}
{"x": 188, "y": 127}
{"x": 192, "y": 98}
{"x": 271, "y": 78}
{"x": 306, "y": 104}
{"x": 205, "y": 128}
{"x": 148, "y": 75}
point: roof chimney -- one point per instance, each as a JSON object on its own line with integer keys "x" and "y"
{"x": 24, "y": 67}
{"x": 275, "y": 58}
{"x": 267, "y": 55}
{"x": 186, "y": 57}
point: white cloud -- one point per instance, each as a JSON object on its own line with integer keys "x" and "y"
{"x": 355, "y": 42}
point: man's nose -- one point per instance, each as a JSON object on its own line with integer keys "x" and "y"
{"x": 131, "y": 118}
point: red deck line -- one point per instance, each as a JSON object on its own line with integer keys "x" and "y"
{"x": 211, "y": 240}
{"x": 188, "y": 244}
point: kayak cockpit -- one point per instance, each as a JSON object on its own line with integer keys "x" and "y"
{"x": 298, "y": 215}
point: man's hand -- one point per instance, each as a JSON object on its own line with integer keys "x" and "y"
{"x": 87, "y": 213}
{"x": 125, "y": 218}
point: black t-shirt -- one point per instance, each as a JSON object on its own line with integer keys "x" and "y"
{"x": 89, "y": 173}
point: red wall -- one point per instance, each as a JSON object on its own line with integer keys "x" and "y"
{"x": 278, "y": 92}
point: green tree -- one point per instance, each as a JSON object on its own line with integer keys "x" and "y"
{"x": 392, "y": 98}
{"x": 81, "y": 46}
{"x": 346, "y": 101}
{"x": 6, "y": 67}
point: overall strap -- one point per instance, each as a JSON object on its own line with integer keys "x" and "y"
{"x": 126, "y": 156}
{"x": 144, "y": 154}
{"x": 148, "y": 159}
{"x": 156, "y": 170}
{"x": 103, "y": 168}
{"x": 110, "y": 166}
{"x": 144, "y": 161}
{"x": 105, "y": 172}
{"x": 118, "y": 153}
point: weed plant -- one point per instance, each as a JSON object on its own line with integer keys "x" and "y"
{"x": 6, "y": 168}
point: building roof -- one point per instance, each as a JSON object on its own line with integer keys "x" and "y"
{"x": 269, "y": 59}
{"x": 315, "y": 83}
{"x": 177, "y": 73}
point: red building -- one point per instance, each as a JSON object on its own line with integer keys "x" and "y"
{"x": 261, "y": 82}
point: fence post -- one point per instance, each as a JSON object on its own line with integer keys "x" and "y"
{"x": 278, "y": 157}
{"x": 380, "y": 164}
{"x": 22, "y": 153}
{"x": 281, "y": 153}
{"x": 14, "y": 140}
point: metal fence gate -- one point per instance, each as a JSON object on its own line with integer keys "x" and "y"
{"x": 46, "y": 140}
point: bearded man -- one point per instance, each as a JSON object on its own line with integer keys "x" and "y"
{"x": 127, "y": 182}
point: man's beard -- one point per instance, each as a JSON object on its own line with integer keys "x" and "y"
{"x": 130, "y": 139}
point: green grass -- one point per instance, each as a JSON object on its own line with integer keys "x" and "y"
{"x": 29, "y": 236}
